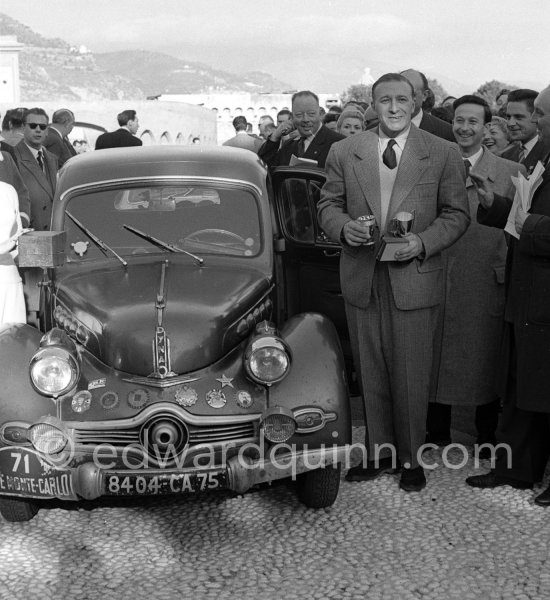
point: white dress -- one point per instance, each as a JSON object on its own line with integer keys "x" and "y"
{"x": 12, "y": 301}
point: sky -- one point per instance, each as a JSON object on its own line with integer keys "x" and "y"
{"x": 316, "y": 43}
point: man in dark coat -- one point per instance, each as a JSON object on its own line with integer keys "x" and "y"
{"x": 125, "y": 136}
{"x": 315, "y": 139}
{"x": 38, "y": 168}
{"x": 528, "y": 149}
{"x": 57, "y": 141}
{"x": 525, "y": 425}
{"x": 421, "y": 119}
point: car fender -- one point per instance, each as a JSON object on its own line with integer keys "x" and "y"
{"x": 317, "y": 376}
{"x": 19, "y": 401}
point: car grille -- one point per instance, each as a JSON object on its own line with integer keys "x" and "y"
{"x": 212, "y": 434}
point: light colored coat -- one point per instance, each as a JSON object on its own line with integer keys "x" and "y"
{"x": 472, "y": 320}
{"x": 430, "y": 181}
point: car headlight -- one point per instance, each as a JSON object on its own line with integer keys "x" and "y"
{"x": 53, "y": 371}
{"x": 267, "y": 359}
{"x": 46, "y": 438}
{"x": 278, "y": 424}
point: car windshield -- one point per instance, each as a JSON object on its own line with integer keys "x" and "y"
{"x": 203, "y": 219}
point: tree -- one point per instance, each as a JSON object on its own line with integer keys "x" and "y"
{"x": 439, "y": 91}
{"x": 490, "y": 90}
{"x": 358, "y": 92}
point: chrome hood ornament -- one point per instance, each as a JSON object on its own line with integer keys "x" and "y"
{"x": 161, "y": 342}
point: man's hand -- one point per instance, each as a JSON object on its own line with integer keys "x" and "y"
{"x": 414, "y": 248}
{"x": 281, "y": 130}
{"x": 521, "y": 215}
{"x": 355, "y": 233}
{"x": 484, "y": 189}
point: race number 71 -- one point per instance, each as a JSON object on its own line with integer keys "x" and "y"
{"x": 17, "y": 456}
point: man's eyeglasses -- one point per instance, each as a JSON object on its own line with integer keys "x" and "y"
{"x": 35, "y": 125}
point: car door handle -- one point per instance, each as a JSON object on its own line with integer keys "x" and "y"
{"x": 331, "y": 253}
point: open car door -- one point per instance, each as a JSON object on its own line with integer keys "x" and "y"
{"x": 309, "y": 260}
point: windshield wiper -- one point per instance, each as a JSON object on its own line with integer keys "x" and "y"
{"x": 165, "y": 245}
{"x": 94, "y": 238}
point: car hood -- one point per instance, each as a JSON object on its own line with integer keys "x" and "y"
{"x": 201, "y": 304}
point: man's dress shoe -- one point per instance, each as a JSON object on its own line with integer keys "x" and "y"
{"x": 543, "y": 499}
{"x": 372, "y": 470}
{"x": 492, "y": 480}
{"x": 412, "y": 480}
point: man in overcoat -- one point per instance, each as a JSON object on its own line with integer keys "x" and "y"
{"x": 525, "y": 422}
{"x": 392, "y": 307}
{"x": 471, "y": 323}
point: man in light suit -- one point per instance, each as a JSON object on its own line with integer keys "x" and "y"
{"x": 314, "y": 140}
{"x": 124, "y": 136}
{"x": 57, "y": 141}
{"x": 392, "y": 307}
{"x": 241, "y": 139}
{"x": 420, "y": 118}
{"x": 38, "y": 167}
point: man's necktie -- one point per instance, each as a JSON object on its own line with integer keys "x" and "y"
{"x": 467, "y": 166}
{"x": 301, "y": 146}
{"x": 40, "y": 160}
{"x": 522, "y": 152}
{"x": 388, "y": 156}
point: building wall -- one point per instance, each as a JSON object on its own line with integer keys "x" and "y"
{"x": 160, "y": 122}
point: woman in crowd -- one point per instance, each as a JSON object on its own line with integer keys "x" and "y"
{"x": 497, "y": 137}
{"x": 350, "y": 122}
{"x": 12, "y": 302}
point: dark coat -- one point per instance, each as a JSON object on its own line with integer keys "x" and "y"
{"x": 537, "y": 153}
{"x": 437, "y": 127}
{"x": 528, "y": 297}
{"x": 41, "y": 185}
{"x": 58, "y": 145}
{"x": 470, "y": 330}
{"x": 9, "y": 173}
{"x": 117, "y": 139}
{"x": 317, "y": 150}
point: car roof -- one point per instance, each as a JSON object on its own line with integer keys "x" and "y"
{"x": 158, "y": 161}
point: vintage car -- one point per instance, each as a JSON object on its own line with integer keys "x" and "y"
{"x": 183, "y": 341}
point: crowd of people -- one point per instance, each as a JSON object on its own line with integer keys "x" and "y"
{"x": 456, "y": 313}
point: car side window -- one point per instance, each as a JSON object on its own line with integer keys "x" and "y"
{"x": 297, "y": 209}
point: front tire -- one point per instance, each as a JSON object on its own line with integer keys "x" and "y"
{"x": 16, "y": 510}
{"x": 319, "y": 488}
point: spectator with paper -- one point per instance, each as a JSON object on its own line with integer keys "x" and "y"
{"x": 525, "y": 423}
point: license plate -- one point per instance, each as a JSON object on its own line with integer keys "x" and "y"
{"x": 24, "y": 472}
{"x": 153, "y": 484}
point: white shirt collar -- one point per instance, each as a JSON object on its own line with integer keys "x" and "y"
{"x": 401, "y": 139}
{"x": 474, "y": 158}
{"x": 416, "y": 120}
{"x": 35, "y": 150}
{"x": 530, "y": 144}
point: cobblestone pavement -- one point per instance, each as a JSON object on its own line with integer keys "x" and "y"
{"x": 377, "y": 542}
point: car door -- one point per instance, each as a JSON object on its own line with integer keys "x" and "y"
{"x": 310, "y": 261}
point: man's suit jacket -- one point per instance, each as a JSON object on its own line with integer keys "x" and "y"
{"x": 437, "y": 127}
{"x": 41, "y": 185}
{"x": 9, "y": 173}
{"x": 527, "y": 302}
{"x": 59, "y": 145}
{"x": 317, "y": 150}
{"x": 430, "y": 180}
{"x": 537, "y": 153}
{"x": 474, "y": 299}
{"x": 117, "y": 139}
{"x": 243, "y": 140}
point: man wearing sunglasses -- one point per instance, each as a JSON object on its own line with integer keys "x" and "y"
{"x": 38, "y": 167}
